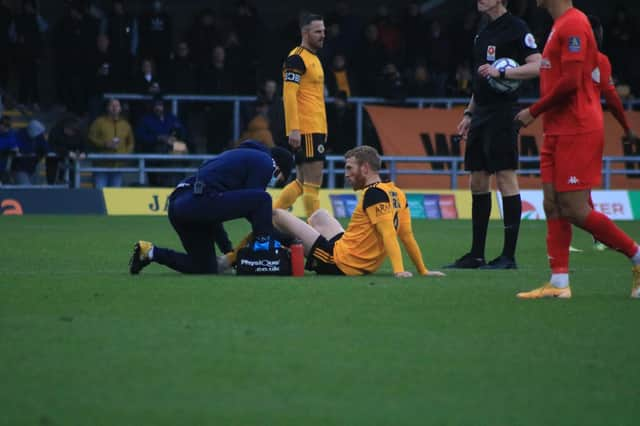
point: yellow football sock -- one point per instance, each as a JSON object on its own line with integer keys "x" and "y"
{"x": 311, "y": 198}
{"x": 232, "y": 255}
{"x": 289, "y": 195}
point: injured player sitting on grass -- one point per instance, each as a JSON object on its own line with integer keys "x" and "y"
{"x": 380, "y": 218}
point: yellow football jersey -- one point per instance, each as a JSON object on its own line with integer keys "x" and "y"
{"x": 361, "y": 249}
{"x": 303, "y": 92}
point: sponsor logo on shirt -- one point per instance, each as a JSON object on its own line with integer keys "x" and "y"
{"x": 491, "y": 53}
{"x": 382, "y": 209}
{"x": 574, "y": 44}
{"x": 530, "y": 41}
{"x": 595, "y": 75}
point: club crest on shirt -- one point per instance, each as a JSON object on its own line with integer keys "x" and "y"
{"x": 574, "y": 44}
{"x": 595, "y": 75}
{"x": 491, "y": 53}
{"x": 545, "y": 64}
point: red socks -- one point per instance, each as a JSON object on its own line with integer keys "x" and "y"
{"x": 604, "y": 230}
{"x": 558, "y": 241}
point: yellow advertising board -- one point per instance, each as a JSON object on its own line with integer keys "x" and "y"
{"x": 424, "y": 204}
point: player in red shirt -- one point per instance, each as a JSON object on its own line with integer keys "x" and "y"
{"x": 571, "y": 157}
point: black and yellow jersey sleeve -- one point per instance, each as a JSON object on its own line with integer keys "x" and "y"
{"x": 303, "y": 92}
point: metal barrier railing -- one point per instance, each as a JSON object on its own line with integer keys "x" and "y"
{"x": 359, "y": 103}
{"x": 452, "y": 166}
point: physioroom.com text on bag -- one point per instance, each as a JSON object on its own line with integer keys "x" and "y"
{"x": 274, "y": 260}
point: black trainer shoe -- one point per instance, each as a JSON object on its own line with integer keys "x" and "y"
{"x": 501, "y": 262}
{"x": 468, "y": 261}
{"x": 140, "y": 257}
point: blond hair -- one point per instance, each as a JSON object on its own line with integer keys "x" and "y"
{"x": 365, "y": 154}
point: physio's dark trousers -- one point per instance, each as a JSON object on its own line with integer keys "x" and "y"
{"x": 198, "y": 219}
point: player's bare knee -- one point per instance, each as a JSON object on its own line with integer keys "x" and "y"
{"x": 318, "y": 217}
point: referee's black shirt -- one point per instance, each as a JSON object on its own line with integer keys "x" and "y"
{"x": 506, "y": 37}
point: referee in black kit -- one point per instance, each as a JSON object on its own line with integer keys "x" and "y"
{"x": 490, "y": 133}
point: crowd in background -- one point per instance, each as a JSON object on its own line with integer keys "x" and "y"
{"x": 402, "y": 50}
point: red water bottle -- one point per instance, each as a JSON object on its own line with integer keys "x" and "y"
{"x": 297, "y": 258}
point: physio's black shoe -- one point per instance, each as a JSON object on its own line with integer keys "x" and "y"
{"x": 501, "y": 262}
{"x": 468, "y": 261}
{"x": 140, "y": 257}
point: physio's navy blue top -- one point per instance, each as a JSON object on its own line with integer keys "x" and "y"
{"x": 249, "y": 166}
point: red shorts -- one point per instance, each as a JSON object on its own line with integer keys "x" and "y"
{"x": 572, "y": 162}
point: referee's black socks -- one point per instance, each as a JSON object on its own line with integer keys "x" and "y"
{"x": 480, "y": 212}
{"x": 512, "y": 211}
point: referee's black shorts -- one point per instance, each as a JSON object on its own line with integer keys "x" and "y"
{"x": 492, "y": 146}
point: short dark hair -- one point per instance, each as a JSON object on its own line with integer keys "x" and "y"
{"x": 307, "y": 18}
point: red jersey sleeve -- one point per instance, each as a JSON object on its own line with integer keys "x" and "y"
{"x": 574, "y": 36}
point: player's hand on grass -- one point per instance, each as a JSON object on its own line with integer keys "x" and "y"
{"x": 524, "y": 117}
{"x": 435, "y": 274}
{"x": 403, "y": 274}
{"x": 294, "y": 139}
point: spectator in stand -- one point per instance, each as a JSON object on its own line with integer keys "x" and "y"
{"x": 122, "y": 30}
{"x": 216, "y": 78}
{"x": 438, "y": 54}
{"x": 183, "y": 72}
{"x": 27, "y": 33}
{"x": 341, "y": 122}
{"x": 622, "y": 44}
{"x": 464, "y": 78}
{"x": 6, "y": 17}
{"x": 258, "y": 127}
{"x": 8, "y": 147}
{"x": 68, "y": 142}
{"x": 462, "y": 38}
{"x": 370, "y": 59}
{"x": 205, "y": 34}
{"x": 74, "y": 37}
{"x": 110, "y": 134}
{"x": 33, "y": 147}
{"x": 350, "y": 27}
{"x": 339, "y": 79}
{"x": 101, "y": 75}
{"x": 156, "y": 35}
{"x": 388, "y": 32}
{"x": 160, "y": 132}
{"x": 146, "y": 81}
{"x": 413, "y": 27}
{"x": 420, "y": 84}
{"x": 244, "y": 59}
{"x": 391, "y": 85}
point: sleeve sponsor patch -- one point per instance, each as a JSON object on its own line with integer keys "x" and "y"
{"x": 530, "y": 41}
{"x": 382, "y": 209}
{"x": 575, "y": 45}
{"x": 292, "y": 76}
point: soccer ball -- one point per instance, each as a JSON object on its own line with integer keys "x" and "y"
{"x": 500, "y": 85}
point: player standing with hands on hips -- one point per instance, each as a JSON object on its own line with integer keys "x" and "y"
{"x": 491, "y": 136}
{"x": 571, "y": 156}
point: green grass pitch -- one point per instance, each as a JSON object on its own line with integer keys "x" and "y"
{"x": 84, "y": 343}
